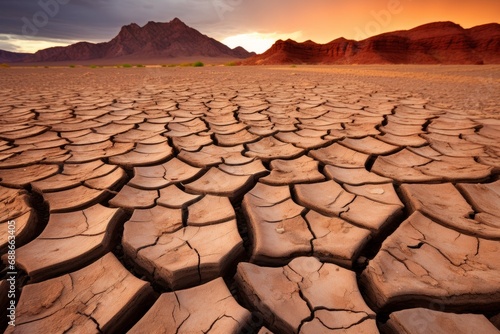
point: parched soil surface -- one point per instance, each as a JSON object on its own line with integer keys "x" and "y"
{"x": 359, "y": 199}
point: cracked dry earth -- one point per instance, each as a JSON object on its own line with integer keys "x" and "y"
{"x": 251, "y": 200}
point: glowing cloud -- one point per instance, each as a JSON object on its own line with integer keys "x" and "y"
{"x": 30, "y": 45}
{"x": 258, "y": 42}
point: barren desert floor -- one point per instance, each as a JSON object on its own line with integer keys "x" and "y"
{"x": 307, "y": 199}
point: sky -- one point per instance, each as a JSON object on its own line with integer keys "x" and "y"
{"x": 31, "y": 25}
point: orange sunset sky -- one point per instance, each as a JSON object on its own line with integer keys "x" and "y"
{"x": 362, "y": 19}
{"x": 253, "y": 24}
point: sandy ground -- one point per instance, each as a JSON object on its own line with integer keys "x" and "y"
{"x": 463, "y": 87}
{"x": 363, "y": 199}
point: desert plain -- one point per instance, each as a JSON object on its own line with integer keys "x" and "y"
{"x": 267, "y": 199}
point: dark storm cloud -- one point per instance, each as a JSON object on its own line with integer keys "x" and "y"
{"x": 97, "y": 19}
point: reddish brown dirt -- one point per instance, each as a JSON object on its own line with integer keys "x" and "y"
{"x": 252, "y": 199}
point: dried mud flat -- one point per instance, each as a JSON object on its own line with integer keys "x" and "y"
{"x": 252, "y": 200}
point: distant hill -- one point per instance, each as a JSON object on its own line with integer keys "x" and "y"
{"x": 9, "y": 57}
{"x": 153, "y": 41}
{"x": 434, "y": 43}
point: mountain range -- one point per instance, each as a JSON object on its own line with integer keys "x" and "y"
{"x": 433, "y": 43}
{"x": 155, "y": 40}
